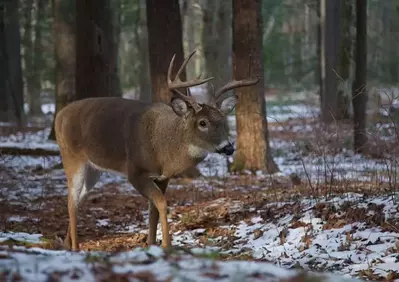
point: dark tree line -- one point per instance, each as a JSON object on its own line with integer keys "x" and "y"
{"x": 11, "y": 84}
{"x": 87, "y": 36}
{"x": 336, "y": 52}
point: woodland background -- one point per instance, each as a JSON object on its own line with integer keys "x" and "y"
{"x": 313, "y": 184}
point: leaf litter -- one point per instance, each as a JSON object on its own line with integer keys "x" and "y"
{"x": 263, "y": 218}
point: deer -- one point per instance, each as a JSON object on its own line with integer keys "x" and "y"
{"x": 148, "y": 143}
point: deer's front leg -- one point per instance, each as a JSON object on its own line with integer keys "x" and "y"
{"x": 154, "y": 193}
{"x": 154, "y": 214}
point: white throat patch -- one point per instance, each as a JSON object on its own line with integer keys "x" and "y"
{"x": 197, "y": 152}
{"x": 223, "y": 144}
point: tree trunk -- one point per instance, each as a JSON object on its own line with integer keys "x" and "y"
{"x": 359, "y": 86}
{"x": 386, "y": 22}
{"x": 95, "y": 61}
{"x": 209, "y": 35}
{"x": 165, "y": 40}
{"x": 64, "y": 14}
{"x": 115, "y": 33}
{"x": 34, "y": 74}
{"x": 392, "y": 47}
{"x": 27, "y": 41}
{"x": 253, "y": 152}
{"x": 4, "y": 95}
{"x": 298, "y": 62}
{"x": 319, "y": 50}
{"x": 189, "y": 21}
{"x": 145, "y": 80}
{"x": 11, "y": 85}
{"x": 344, "y": 66}
{"x": 330, "y": 44}
{"x": 217, "y": 40}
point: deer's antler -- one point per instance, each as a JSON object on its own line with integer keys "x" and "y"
{"x": 177, "y": 83}
{"x": 219, "y": 97}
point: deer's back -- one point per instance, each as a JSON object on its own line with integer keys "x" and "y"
{"x": 97, "y": 128}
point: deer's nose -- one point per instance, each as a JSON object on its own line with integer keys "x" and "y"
{"x": 228, "y": 149}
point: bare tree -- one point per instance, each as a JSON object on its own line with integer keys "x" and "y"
{"x": 189, "y": 19}
{"x": 216, "y": 38}
{"x": 165, "y": 40}
{"x": 115, "y": 34}
{"x": 145, "y": 80}
{"x": 96, "y": 67}
{"x": 359, "y": 86}
{"x": 34, "y": 72}
{"x": 11, "y": 83}
{"x": 253, "y": 151}
{"x": 345, "y": 56}
{"x": 390, "y": 37}
{"x": 319, "y": 66}
{"x": 330, "y": 28}
{"x": 27, "y": 41}
{"x": 64, "y": 14}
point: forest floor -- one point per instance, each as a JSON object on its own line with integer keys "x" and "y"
{"x": 328, "y": 210}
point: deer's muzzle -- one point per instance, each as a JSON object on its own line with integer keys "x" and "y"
{"x": 228, "y": 149}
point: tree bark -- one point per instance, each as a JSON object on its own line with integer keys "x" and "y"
{"x": 253, "y": 152}
{"x": 64, "y": 14}
{"x": 189, "y": 22}
{"x": 27, "y": 41}
{"x": 95, "y": 61}
{"x": 359, "y": 86}
{"x": 115, "y": 33}
{"x": 329, "y": 58}
{"x": 297, "y": 56}
{"x": 393, "y": 53}
{"x": 216, "y": 37}
{"x": 145, "y": 80}
{"x": 11, "y": 85}
{"x": 344, "y": 60}
{"x": 319, "y": 42}
{"x": 164, "y": 40}
{"x": 34, "y": 74}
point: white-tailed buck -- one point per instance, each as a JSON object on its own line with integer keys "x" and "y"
{"x": 148, "y": 143}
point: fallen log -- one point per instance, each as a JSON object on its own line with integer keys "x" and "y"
{"x": 18, "y": 151}
{"x": 192, "y": 172}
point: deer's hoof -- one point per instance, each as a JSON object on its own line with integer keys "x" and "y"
{"x": 67, "y": 244}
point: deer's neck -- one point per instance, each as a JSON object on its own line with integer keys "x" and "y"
{"x": 180, "y": 151}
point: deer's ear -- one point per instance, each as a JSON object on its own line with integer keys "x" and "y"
{"x": 228, "y": 105}
{"x": 180, "y": 107}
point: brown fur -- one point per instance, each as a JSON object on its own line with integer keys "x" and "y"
{"x": 149, "y": 143}
{"x": 136, "y": 139}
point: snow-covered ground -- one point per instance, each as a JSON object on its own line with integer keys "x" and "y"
{"x": 349, "y": 234}
{"x": 318, "y": 235}
{"x": 335, "y": 243}
{"x": 137, "y": 265}
{"x": 288, "y": 154}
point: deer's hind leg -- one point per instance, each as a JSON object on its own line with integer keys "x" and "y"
{"x": 81, "y": 178}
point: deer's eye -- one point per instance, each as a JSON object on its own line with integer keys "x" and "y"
{"x": 202, "y": 123}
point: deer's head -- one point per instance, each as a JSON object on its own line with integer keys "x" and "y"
{"x": 207, "y": 123}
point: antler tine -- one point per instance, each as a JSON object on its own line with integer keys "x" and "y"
{"x": 232, "y": 85}
{"x": 177, "y": 83}
{"x": 172, "y": 61}
{"x": 183, "y": 65}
